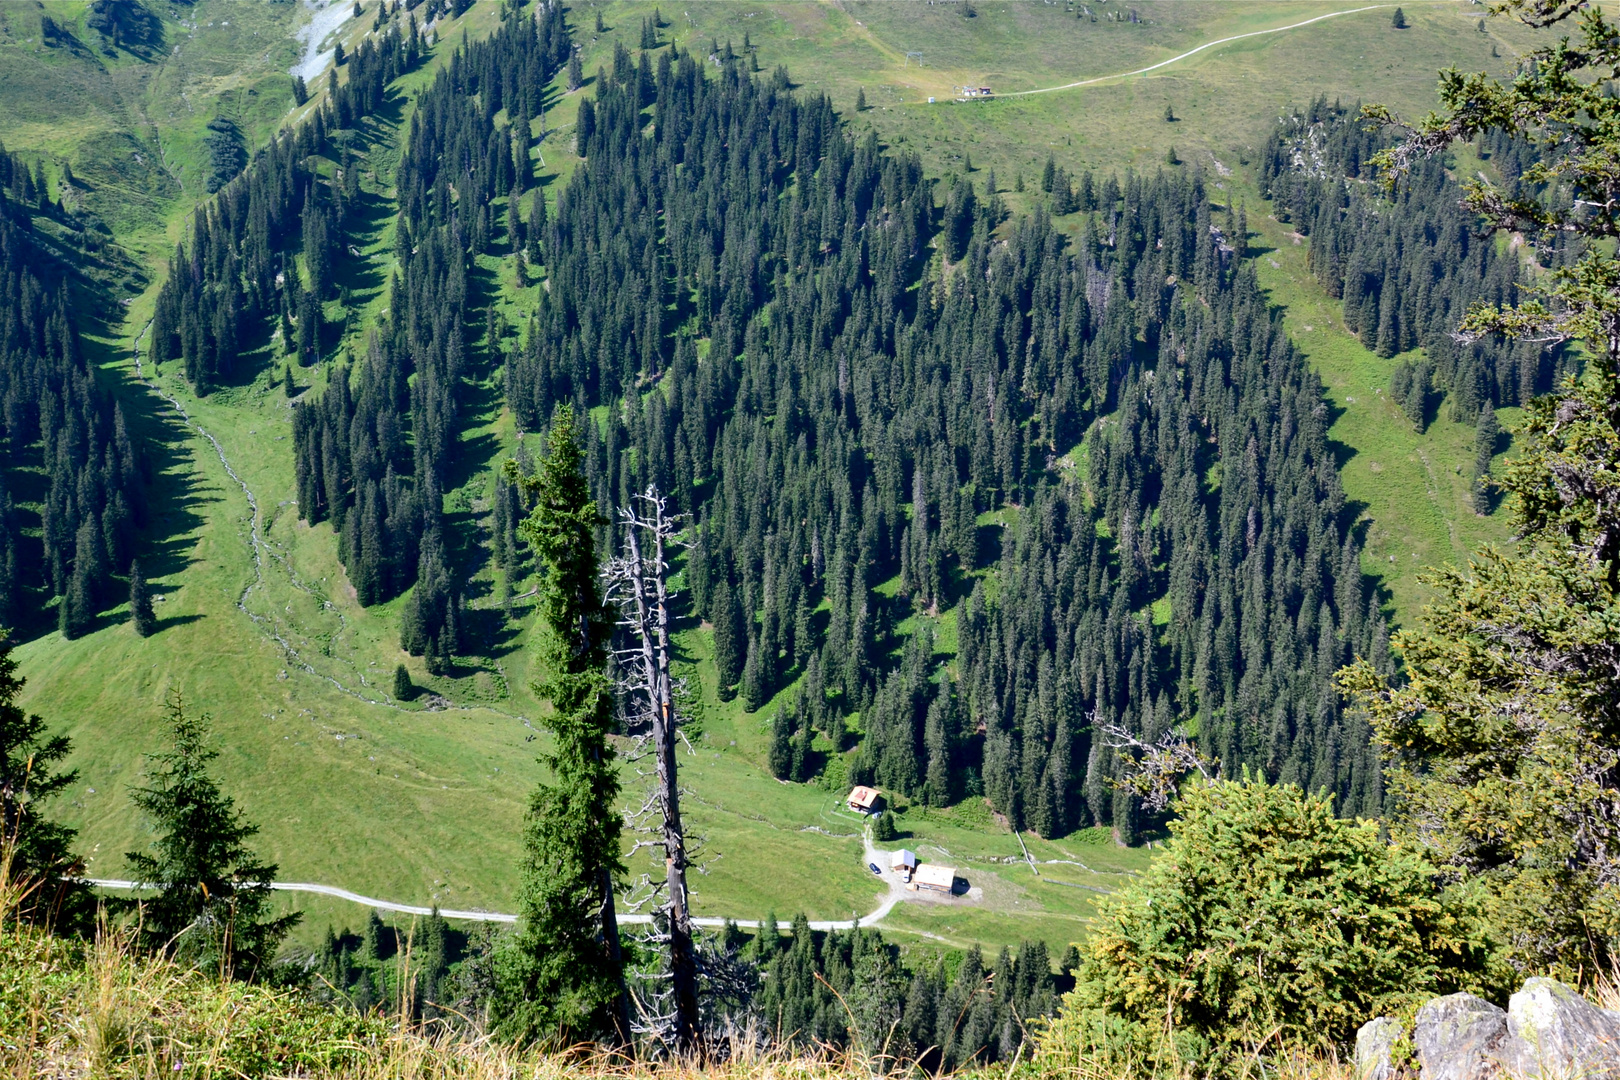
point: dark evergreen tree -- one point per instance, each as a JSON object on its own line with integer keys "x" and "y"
{"x": 211, "y": 903}
{"x": 378, "y": 942}
{"x": 404, "y": 689}
{"x": 562, "y": 977}
{"x": 42, "y": 861}
{"x": 730, "y": 638}
{"x": 781, "y": 752}
{"x": 1487, "y": 432}
{"x": 141, "y": 616}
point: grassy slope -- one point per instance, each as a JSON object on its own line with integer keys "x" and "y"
{"x": 420, "y": 805}
{"x": 131, "y": 123}
{"x": 1412, "y": 489}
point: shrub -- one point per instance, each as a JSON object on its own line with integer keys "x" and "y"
{"x": 1267, "y": 914}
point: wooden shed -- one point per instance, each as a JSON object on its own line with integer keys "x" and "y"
{"x": 863, "y": 800}
{"x": 935, "y": 878}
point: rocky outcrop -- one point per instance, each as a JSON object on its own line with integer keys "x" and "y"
{"x": 1375, "y": 1044}
{"x": 1553, "y": 1032}
{"x": 1548, "y": 1032}
{"x": 1459, "y": 1037}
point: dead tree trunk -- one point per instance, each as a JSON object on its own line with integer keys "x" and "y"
{"x": 643, "y": 576}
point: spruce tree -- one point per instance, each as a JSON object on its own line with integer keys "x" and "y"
{"x": 730, "y": 639}
{"x": 1500, "y": 734}
{"x": 211, "y": 906}
{"x": 780, "y": 756}
{"x": 562, "y": 976}
{"x": 76, "y": 613}
{"x": 141, "y": 615}
{"x": 1398, "y": 20}
{"x": 378, "y": 940}
{"x": 42, "y": 858}
{"x": 883, "y": 829}
{"x": 804, "y": 752}
{"x": 1486, "y": 432}
{"x": 755, "y": 689}
{"x": 404, "y": 689}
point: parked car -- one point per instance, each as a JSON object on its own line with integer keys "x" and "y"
{"x": 872, "y": 866}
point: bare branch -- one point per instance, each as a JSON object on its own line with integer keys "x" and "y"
{"x": 1156, "y": 769}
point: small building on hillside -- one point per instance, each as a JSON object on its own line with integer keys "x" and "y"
{"x": 903, "y": 861}
{"x": 864, "y": 800}
{"x": 935, "y": 878}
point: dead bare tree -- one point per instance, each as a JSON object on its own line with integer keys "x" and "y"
{"x": 637, "y": 580}
{"x": 1155, "y": 770}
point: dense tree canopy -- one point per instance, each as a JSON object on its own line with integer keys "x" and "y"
{"x": 375, "y": 452}
{"x": 747, "y": 287}
{"x": 876, "y": 396}
{"x": 66, "y": 448}
{"x": 1407, "y": 265}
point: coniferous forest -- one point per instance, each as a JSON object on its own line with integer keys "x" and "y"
{"x": 1407, "y": 267}
{"x": 66, "y": 449}
{"x": 1101, "y": 457}
{"x": 1166, "y": 525}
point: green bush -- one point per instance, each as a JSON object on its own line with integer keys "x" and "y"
{"x": 1267, "y": 917}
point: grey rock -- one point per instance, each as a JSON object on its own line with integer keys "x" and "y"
{"x": 1555, "y": 1034}
{"x": 1459, "y": 1037}
{"x": 1373, "y": 1043}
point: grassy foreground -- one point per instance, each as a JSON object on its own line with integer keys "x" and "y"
{"x": 73, "y": 1009}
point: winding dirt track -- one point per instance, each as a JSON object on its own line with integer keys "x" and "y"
{"x": 499, "y": 917}
{"x": 1183, "y": 56}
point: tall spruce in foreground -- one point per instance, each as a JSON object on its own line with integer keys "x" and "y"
{"x": 1501, "y": 745}
{"x": 40, "y": 850}
{"x": 562, "y": 977}
{"x": 212, "y": 894}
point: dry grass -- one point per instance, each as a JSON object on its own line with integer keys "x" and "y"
{"x": 101, "y": 1008}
